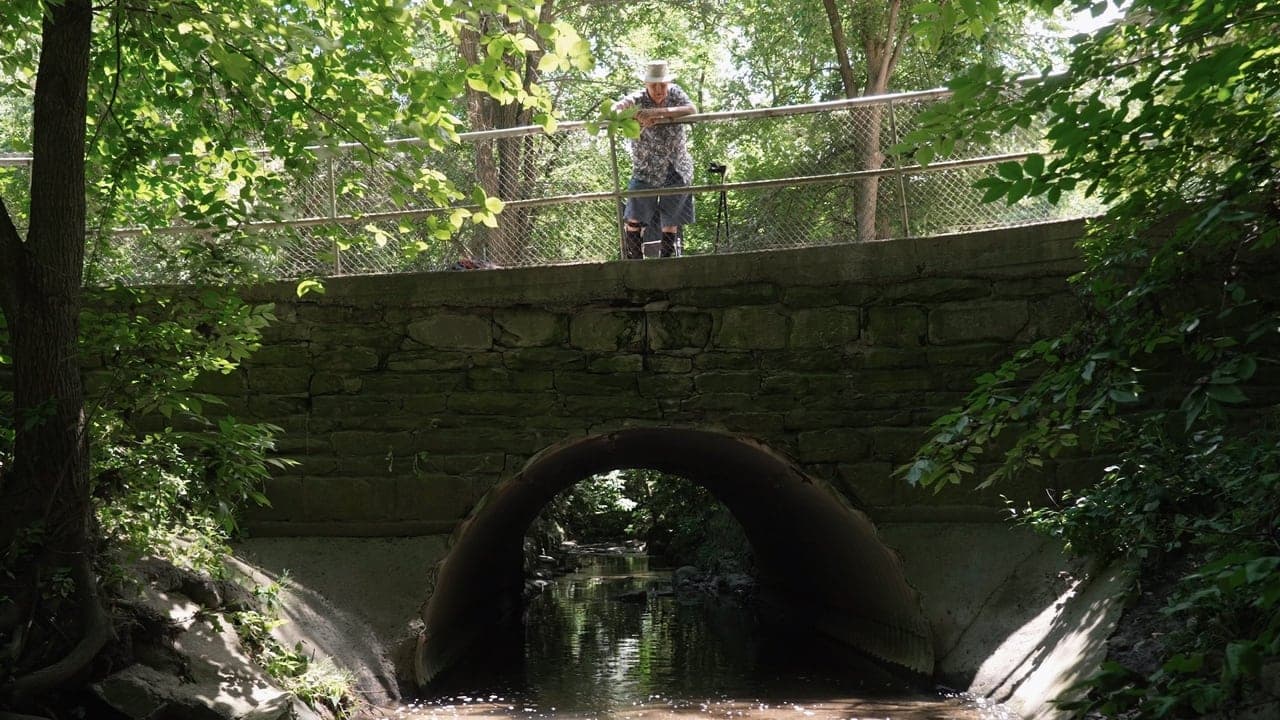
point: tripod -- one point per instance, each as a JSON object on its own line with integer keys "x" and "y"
{"x": 722, "y": 207}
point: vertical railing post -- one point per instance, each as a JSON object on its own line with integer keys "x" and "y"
{"x": 897, "y": 166}
{"x": 333, "y": 215}
{"x": 617, "y": 191}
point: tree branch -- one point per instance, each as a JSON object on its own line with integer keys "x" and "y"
{"x": 841, "y": 48}
{"x": 362, "y": 140}
{"x": 115, "y": 83}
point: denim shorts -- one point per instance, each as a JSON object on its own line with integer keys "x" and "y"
{"x": 663, "y": 210}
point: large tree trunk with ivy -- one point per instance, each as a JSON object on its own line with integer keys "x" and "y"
{"x": 48, "y": 636}
{"x": 506, "y": 167}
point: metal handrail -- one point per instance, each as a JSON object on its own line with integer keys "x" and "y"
{"x": 573, "y": 126}
{"x": 585, "y": 197}
{"x": 18, "y": 159}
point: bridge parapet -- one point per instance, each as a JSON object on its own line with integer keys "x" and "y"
{"x": 405, "y": 398}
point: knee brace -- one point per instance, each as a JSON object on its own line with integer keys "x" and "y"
{"x": 669, "y": 244}
{"x": 633, "y": 245}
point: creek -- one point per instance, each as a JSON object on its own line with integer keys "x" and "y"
{"x": 613, "y": 640}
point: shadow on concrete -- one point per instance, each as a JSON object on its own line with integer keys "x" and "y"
{"x": 1044, "y": 660}
{"x": 1013, "y": 619}
{"x": 347, "y": 599}
{"x": 814, "y": 552}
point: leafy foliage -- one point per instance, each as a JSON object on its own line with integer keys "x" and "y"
{"x": 1170, "y": 117}
{"x": 168, "y": 461}
{"x": 680, "y": 522}
{"x": 176, "y": 91}
{"x": 1179, "y": 263}
{"x": 179, "y": 91}
{"x": 317, "y": 683}
{"x": 728, "y": 53}
{"x": 1207, "y": 503}
{"x": 196, "y": 465}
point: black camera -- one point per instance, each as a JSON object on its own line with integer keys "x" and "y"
{"x": 716, "y": 168}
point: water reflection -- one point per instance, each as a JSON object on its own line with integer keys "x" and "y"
{"x": 661, "y": 709}
{"x": 614, "y": 640}
{"x": 616, "y": 633}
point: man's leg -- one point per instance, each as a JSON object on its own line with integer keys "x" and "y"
{"x": 632, "y": 245}
{"x": 670, "y": 233}
{"x": 675, "y": 210}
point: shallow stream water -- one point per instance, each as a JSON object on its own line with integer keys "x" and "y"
{"x": 612, "y": 641}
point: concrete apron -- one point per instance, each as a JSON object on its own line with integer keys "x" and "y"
{"x": 1012, "y": 619}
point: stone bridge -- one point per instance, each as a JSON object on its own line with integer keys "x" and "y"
{"x": 789, "y": 383}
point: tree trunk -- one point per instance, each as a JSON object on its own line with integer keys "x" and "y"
{"x": 841, "y": 48}
{"x": 505, "y": 168}
{"x": 882, "y": 45}
{"x": 866, "y": 202}
{"x": 47, "y": 517}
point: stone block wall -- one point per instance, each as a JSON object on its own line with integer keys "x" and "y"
{"x": 404, "y": 398}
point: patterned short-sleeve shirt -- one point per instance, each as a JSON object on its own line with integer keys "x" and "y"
{"x": 663, "y": 145}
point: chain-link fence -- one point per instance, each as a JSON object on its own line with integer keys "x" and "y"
{"x": 765, "y": 179}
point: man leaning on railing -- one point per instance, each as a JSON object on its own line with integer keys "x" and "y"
{"x": 659, "y": 158}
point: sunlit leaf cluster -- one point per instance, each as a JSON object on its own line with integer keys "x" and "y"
{"x": 180, "y": 92}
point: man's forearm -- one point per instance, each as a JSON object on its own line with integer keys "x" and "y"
{"x": 671, "y": 112}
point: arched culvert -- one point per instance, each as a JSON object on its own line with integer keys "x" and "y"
{"x": 811, "y": 547}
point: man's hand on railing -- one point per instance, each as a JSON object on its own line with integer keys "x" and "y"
{"x": 650, "y": 116}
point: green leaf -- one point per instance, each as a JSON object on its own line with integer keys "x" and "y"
{"x": 917, "y": 472}
{"x": 1193, "y": 405}
{"x": 1034, "y": 165}
{"x": 550, "y": 62}
{"x": 235, "y": 66}
{"x": 1241, "y": 658}
{"x": 548, "y": 122}
{"x": 1009, "y": 170}
{"x": 995, "y": 188}
{"x": 1184, "y": 663}
{"x": 1248, "y": 367}
{"x": 1018, "y": 190}
{"x": 1122, "y": 395}
{"x": 1261, "y": 568}
{"x": 1230, "y": 394}
{"x": 310, "y": 285}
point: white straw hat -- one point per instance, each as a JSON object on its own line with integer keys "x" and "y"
{"x": 656, "y": 72}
